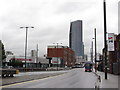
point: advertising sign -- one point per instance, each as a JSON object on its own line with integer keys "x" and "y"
{"x": 55, "y": 60}
{"x": 110, "y": 41}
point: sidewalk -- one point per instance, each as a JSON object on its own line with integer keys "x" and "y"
{"x": 111, "y": 82}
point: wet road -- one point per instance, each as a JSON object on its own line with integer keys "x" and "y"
{"x": 75, "y": 78}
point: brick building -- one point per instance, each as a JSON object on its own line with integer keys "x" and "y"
{"x": 118, "y": 47}
{"x": 63, "y": 52}
{"x": 118, "y": 52}
{"x": 111, "y": 58}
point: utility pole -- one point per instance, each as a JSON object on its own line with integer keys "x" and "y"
{"x": 105, "y": 41}
{"x": 57, "y": 56}
{"x": 37, "y": 53}
{"x": 26, "y": 42}
{"x": 95, "y": 52}
{"x": 92, "y": 51}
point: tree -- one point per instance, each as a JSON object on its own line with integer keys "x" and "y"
{"x": 9, "y": 53}
{"x": 2, "y": 52}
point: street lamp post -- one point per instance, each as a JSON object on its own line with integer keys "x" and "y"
{"x": 37, "y": 54}
{"x": 26, "y": 42}
{"x": 95, "y": 52}
{"x": 95, "y": 49}
{"x": 105, "y": 41}
{"x": 92, "y": 51}
{"x": 57, "y": 56}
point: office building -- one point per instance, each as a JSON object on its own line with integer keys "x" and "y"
{"x": 76, "y": 39}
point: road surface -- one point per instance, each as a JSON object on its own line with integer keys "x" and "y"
{"x": 75, "y": 78}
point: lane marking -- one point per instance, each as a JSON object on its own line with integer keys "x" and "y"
{"x": 31, "y": 81}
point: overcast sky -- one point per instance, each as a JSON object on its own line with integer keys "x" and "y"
{"x": 51, "y": 19}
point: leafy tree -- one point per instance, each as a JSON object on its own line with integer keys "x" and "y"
{"x": 2, "y": 52}
{"x": 9, "y": 53}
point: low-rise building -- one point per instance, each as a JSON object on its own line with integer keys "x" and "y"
{"x": 65, "y": 54}
{"x": 19, "y": 61}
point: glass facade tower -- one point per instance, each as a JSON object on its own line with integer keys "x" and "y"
{"x": 76, "y": 38}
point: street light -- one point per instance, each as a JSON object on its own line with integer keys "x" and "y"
{"x": 105, "y": 41}
{"x": 95, "y": 48}
{"x": 92, "y": 50}
{"x": 95, "y": 51}
{"x": 26, "y": 42}
{"x": 57, "y": 53}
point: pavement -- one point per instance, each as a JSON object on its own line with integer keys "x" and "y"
{"x": 111, "y": 82}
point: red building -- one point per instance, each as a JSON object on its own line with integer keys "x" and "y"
{"x": 112, "y": 57}
{"x": 63, "y": 52}
{"x": 118, "y": 53}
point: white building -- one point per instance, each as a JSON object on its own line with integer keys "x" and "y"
{"x": 43, "y": 60}
{"x": 34, "y": 55}
{"x": 79, "y": 59}
{"x": 9, "y": 57}
{"x": 19, "y": 58}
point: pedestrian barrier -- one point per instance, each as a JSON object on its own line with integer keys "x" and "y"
{"x": 31, "y": 69}
{"x": 37, "y": 69}
{"x": 97, "y": 84}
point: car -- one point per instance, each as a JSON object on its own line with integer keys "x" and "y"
{"x": 81, "y": 66}
{"x": 73, "y": 66}
{"x": 78, "y": 66}
{"x": 7, "y": 67}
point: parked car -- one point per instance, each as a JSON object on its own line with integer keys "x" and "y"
{"x": 78, "y": 66}
{"x": 7, "y": 67}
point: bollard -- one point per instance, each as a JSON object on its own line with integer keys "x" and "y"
{"x": 99, "y": 78}
{"x": 97, "y": 84}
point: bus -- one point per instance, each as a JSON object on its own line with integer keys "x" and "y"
{"x": 88, "y": 66}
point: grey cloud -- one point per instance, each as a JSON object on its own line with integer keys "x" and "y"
{"x": 50, "y": 19}
{"x": 72, "y": 7}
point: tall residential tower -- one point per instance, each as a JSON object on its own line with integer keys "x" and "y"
{"x": 76, "y": 39}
